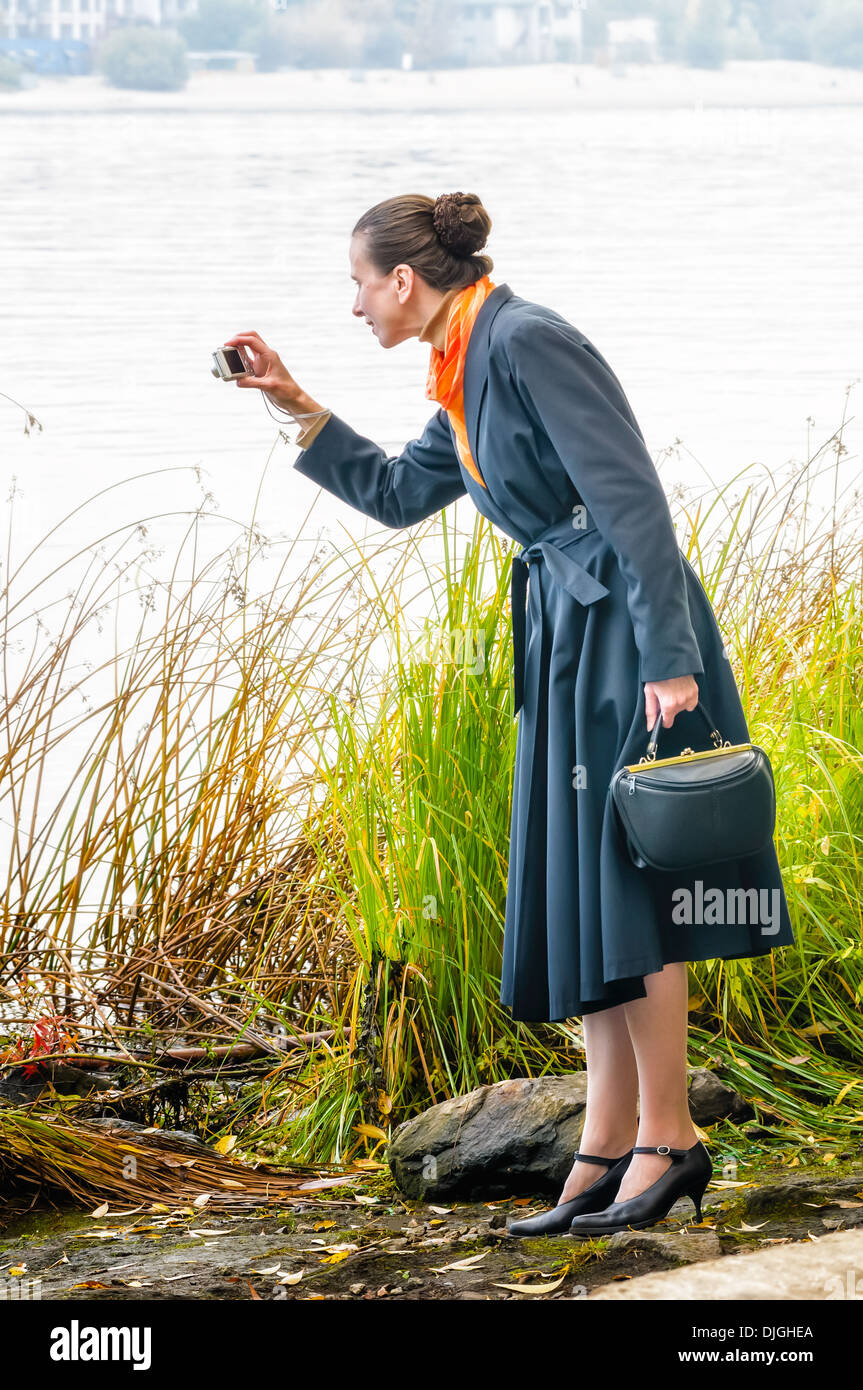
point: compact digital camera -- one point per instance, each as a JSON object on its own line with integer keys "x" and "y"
{"x": 230, "y": 363}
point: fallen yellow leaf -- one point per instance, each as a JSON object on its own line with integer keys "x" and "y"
{"x": 469, "y": 1263}
{"x": 533, "y": 1288}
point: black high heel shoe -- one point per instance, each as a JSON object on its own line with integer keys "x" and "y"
{"x": 690, "y": 1172}
{"x": 593, "y": 1198}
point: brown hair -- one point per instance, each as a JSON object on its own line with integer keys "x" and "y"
{"x": 439, "y": 237}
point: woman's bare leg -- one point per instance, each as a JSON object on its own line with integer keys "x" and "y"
{"x": 657, "y": 1027}
{"x": 611, "y": 1115}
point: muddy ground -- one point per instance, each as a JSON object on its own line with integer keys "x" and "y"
{"x": 371, "y": 1243}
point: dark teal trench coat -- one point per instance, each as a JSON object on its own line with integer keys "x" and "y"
{"x": 612, "y": 602}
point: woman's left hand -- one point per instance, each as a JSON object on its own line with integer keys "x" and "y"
{"x": 671, "y": 696}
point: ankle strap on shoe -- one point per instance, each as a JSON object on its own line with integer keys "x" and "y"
{"x": 595, "y": 1158}
{"x": 661, "y": 1149}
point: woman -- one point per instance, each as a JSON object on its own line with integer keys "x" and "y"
{"x": 534, "y": 426}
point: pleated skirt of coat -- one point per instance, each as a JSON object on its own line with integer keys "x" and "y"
{"x": 583, "y": 925}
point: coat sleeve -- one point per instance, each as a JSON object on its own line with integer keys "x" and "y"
{"x": 397, "y": 491}
{"x": 570, "y": 392}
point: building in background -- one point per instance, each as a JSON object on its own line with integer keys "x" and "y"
{"x": 520, "y": 31}
{"x": 52, "y": 19}
{"x": 86, "y": 20}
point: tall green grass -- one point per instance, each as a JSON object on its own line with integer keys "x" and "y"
{"x": 271, "y": 829}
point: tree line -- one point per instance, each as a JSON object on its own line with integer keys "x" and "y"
{"x": 378, "y": 33}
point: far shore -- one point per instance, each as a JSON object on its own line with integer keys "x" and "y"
{"x": 526, "y": 86}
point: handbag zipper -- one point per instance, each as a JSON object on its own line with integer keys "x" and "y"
{"x": 709, "y": 782}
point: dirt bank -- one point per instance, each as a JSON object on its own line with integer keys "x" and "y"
{"x": 383, "y": 1246}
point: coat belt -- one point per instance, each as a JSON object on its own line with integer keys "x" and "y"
{"x": 564, "y": 569}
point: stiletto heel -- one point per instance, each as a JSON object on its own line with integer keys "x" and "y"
{"x": 689, "y": 1174}
{"x": 695, "y": 1194}
{"x": 557, "y": 1220}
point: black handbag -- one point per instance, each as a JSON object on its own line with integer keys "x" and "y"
{"x": 698, "y": 807}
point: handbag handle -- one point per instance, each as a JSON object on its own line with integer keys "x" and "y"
{"x": 654, "y": 736}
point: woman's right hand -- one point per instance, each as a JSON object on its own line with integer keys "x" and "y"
{"x": 270, "y": 373}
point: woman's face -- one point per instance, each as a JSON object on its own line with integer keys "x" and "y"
{"x": 384, "y": 301}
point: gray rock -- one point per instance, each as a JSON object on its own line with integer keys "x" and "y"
{"x": 830, "y": 1267}
{"x": 801, "y": 1192}
{"x": 512, "y": 1138}
{"x": 711, "y": 1099}
{"x": 684, "y": 1247}
{"x": 516, "y": 1137}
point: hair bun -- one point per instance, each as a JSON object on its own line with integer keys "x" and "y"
{"x": 461, "y": 222}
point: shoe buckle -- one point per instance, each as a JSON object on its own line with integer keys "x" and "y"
{"x": 663, "y": 1149}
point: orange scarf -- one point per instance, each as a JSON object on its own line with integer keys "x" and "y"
{"x": 445, "y": 382}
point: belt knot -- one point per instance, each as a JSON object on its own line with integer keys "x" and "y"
{"x": 552, "y": 546}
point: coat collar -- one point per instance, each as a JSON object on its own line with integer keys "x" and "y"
{"x": 476, "y": 362}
